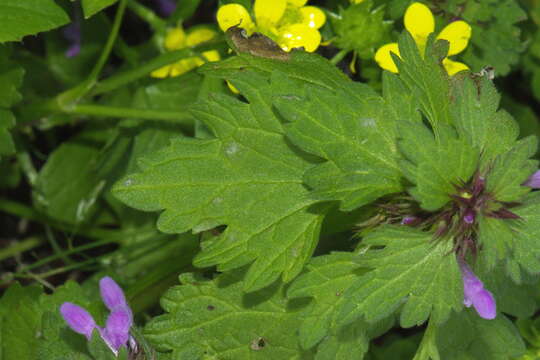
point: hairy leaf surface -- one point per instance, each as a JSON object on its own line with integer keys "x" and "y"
{"x": 248, "y": 178}
{"x": 409, "y": 270}
{"x": 214, "y": 319}
{"x": 467, "y": 336}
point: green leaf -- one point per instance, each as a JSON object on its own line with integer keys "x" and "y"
{"x": 524, "y": 116}
{"x": 348, "y": 342}
{"x": 425, "y": 78}
{"x": 512, "y": 299}
{"x": 400, "y": 103}
{"x": 29, "y": 17}
{"x": 409, "y": 270}
{"x": 249, "y": 179}
{"x": 467, "y": 336}
{"x": 7, "y": 121}
{"x": 57, "y": 340}
{"x": 475, "y": 116}
{"x": 435, "y": 166}
{"x": 20, "y": 319}
{"x": 496, "y": 238}
{"x": 92, "y": 7}
{"x": 301, "y": 68}
{"x": 347, "y": 127}
{"x": 11, "y": 77}
{"x": 394, "y": 346}
{"x": 325, "y": 281}
{"x": 511, "y": 169}
{"x": 67, "y": 186}
{"x": 212, "y": 319}
{"x": 98, "y": 348}
{"x": 526, "y": 247}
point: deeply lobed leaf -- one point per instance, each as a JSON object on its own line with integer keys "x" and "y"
{"x": 409, "y": 270}
{"x": 214, "y": 319}
{"x": 249, "y": 178}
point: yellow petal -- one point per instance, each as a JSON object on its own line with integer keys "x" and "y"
{"x": 175, "y": 39}
{"x": 233, "y": 14}
{"x": 199, "y": 35}
{"x": 383, "y": 58}
{"x": 183, "y": 66}
{"x": 356, "y": 1}
{"x": 269, "y": 12}
{"x": 232, "y": 87}
{"x": 162, "y": 72}
{"x": 312, "y": 16}
{"x": 453, "y": 67}
{"x": 212, "y": 55}
{"x": 458, "y": 34}
{"x": 299, "y": 35}
{"x": 419, "y": 22}
{"x": 297, "y": 3}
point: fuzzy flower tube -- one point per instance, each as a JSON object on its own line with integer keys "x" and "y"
{"x": 116, "y": 330}
{"x": 475, "y": 294}
{"x": 533, "y": 181}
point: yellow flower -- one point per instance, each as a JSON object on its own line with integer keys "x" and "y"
{"x": 177, "y": 39}
{"x": 420, "y": 23}
{"x": 288, "y": 22}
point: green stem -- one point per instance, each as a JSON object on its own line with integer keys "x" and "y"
{"x": 57, "y": 270}
{"x": 74, "y": 94}
{"x": 119, "y": 237}
{"x": 147, "y": 15}
{"x": 125, "y": 112}
{"x": 428, "y": 348}
{"x": 67, "y": 252}
{"x": 145, "y": 69}
{"x": 110, "y": 41}
{"x": 20, "y": 247}
{"x": 56, "y": 246}
{"x": 25, "y": 161}
{"x": 23, "y": 211}
{"x": 64, "y": 102}
{"x": 339, "y": 56}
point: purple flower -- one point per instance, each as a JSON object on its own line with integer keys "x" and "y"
{"x": 409, "y": 220}
{"x": 116, "y": 331}
{"x": 78, "y": 319}
{"x": 469, "y": 216}
{"x": 72, "y": 33}
{"x": 165, "y": 7}
{"x": 475, "y": 294}
{"x": 533, "y": 181}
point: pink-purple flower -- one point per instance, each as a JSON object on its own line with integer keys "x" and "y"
{"x": 165, "y": 7}
{"x": 72, "y": 33}
{"x": 533, "y": 181}
{"x": 475, "y": 294}
{"x": 116, "y": 330}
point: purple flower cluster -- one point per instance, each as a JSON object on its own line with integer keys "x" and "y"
{"x": 116, "y": 331}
